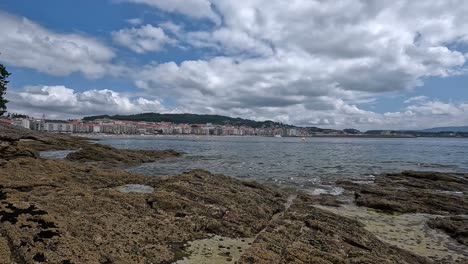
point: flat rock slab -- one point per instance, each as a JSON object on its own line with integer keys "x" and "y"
{"x": 414, "y": 192}
{"x": 108, "y": 155}
{"x": 135, "y": 188}
{"x": 455, "y": 226}
{"x": 58, "y": 211}
{"x": 305, "y": 234}
{"x": 406, "y": 231}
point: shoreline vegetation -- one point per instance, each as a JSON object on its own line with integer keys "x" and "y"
{"x": 87, "y": 209}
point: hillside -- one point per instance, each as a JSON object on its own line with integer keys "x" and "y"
{"x": 447, "y": 129}
{"x": 191, "y": 119}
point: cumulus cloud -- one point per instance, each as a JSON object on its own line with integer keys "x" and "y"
{"x": 419, "y": 98}
{"x": 62, "y": 102}
{"x": 332, "y": 112}
{"x": 314, "y": 62}
{"x": 305, "y": 62}
{"x": 142, "y": 39}
{"x": 193, "y": 8}
{"x": 26, "y": 44}
{"x": 135, "y": 21}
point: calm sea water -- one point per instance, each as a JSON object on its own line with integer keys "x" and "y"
{"x": 313, "y": 164}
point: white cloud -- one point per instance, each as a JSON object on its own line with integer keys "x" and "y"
{"x": 174, "y": 29}
{"x": 135, "y": 21}
{"x": 427, "y": 114}
{"x": 24, "y": 43}
{"x": 419, "y": 98}
{"x": 436, "y": 107}
{"x": 193, "y": 8}
{"x": 62, "y": 102}
{"x": 143, "y": 39}
{"x": 330, "y": 111}
{"x": 315, "y": 62}
{"x": 305, "y": 62}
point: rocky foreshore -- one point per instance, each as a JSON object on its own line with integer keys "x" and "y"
{"x": 84, "y": 209}
{"x": 414, "y": 192}
{"x": 441, "y": 197}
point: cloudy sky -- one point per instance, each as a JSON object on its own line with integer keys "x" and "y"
{"x": 343, "y": 63}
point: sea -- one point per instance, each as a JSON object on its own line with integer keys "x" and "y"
{"x": 313, "y": 164}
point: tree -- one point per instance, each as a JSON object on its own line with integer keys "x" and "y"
{"x": 3, "y": 86}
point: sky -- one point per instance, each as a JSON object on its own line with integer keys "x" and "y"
{"x": 364, "y": 64}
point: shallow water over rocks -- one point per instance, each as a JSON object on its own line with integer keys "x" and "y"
{"x": 407, "y": 231}
{"x": 55, "y": 154}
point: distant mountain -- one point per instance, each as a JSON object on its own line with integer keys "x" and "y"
{"x": 191, "y": 119}
{"x": 463, "y": 129}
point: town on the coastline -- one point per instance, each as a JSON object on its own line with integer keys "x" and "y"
{"x": 121, "y": 127}
{"x": 137, "y": 127}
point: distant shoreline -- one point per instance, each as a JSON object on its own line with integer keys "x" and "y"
{"x": 93, "y": 135}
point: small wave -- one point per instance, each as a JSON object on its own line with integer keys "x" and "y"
{"x": 55, "y": 154}
{"x": 451, "y": 192}
{"x": 435, "y": 165}
{"x": 331, "y": 191}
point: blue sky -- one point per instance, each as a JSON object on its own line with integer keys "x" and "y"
{"x": 307, "y": 63}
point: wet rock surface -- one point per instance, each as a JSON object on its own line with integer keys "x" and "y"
{"x": 407, "y": 231}
{"x": 306, "y": 234}
{"x": 11, "y": 150}
{"x": 18, "y": 142}
{"x": 108, "y": 155}
{"x": 71, "y": 212}
{"x": 327, "y": 200}
{"x": 455, "y": 226}
{"x": 434, "y": 193}
{"x": 414, "y": 192}
{"x": 39, "y": 141}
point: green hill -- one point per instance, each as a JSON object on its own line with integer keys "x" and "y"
{"x": 463, "y": 129}
{"x": 191, "y": 119}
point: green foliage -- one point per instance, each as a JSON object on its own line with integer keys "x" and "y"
{"x": 3, "y": 86}
{"x": 15, "y": 115}
{"x": 191, "y": 119}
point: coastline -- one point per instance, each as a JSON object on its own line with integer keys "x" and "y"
{"x": 97, "y": 135}
{"x": 74, "y": 211}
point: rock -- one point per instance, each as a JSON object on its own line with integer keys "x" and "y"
{"x": 454, "y": 226}
{"x": 5, "y": 254}
{"x": 109, "y": 155}
{"x": 414, "y": 192}
{"x": 327, "y": 200}
{"x": 39, "y": 141}
{"x": 12, "y": 150}
{"x": 19, "y": 142}
{"x": 306, "y": 234}
{"x": 98, "y": 240}
{"x": 65, "y": 211}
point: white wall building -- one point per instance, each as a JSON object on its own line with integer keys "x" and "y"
{"x": 22, "y": 122}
